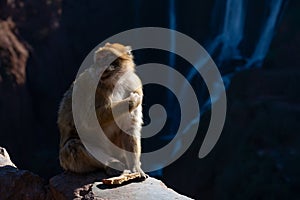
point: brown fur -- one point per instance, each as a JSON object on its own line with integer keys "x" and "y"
{"x": 73, "y": 155}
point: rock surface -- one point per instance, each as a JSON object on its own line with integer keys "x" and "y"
{"x": 71, "y": 186}
{"x": 5, "y": 159}
{"x": 19, "y": 184}
{"x": 150, "y": 189}
{"x": 22, "y": 184}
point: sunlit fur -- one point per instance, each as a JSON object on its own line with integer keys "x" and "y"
{"x": 73, "y": 155}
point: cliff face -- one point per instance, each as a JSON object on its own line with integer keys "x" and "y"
{"x": 24, "y": 27}
{"x": 34, "y": 19}
{"x": 13, "y": 55}
{"x": 16, "y": 113}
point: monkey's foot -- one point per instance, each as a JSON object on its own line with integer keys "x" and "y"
{"x": 143, "y": 175}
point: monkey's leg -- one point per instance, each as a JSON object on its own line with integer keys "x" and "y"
{"x": 132, "y": 144}
{"x": 114, "y": 167}
{"x": 74, "y": 157}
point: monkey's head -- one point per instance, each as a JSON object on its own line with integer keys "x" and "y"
{"x": 115, "y": 59}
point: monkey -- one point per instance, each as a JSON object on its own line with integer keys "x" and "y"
{"x": 109, "y": 95}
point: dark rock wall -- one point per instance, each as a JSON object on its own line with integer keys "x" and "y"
{"x": 17, "y": 123}
{"x": 257, "y": 155}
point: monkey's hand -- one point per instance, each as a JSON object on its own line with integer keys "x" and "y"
{"x": 134, "y": 100}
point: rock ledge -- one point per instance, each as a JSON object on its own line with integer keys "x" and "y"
{"x": 22, "y": 184}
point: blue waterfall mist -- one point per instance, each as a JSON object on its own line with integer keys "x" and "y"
{"x": 226, "y": 46}
{"x": 268, "y": 29}
{"x": 172, "y": 57}
{"x": 228, "y": 40}
{"x": 172, "y": 63}
{"x": 172, "y": 25}
{"x": 231, "y": 34}
{"x": 230, "y": 20}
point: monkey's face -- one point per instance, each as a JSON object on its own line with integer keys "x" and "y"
{"x": 121, "y": 57}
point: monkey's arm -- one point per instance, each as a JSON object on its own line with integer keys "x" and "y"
{"x": 114, "y": 110}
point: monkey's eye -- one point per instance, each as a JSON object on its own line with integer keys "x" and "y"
{"x": 129, "y": 53}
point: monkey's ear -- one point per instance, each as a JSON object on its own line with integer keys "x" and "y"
{"x": 97, "y": 54}
{"x": 100, "y": 54}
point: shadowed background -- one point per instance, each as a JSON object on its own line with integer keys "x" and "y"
{"x": 255, "y": 45}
